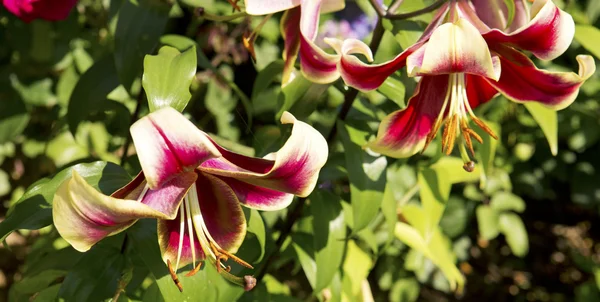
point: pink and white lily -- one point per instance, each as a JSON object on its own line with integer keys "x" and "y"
{"x": 468, "y": 54}
{"x": 465, "y": 62}
{"x": 194, "y": 187}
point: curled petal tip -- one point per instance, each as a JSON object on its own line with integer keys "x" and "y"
{"x": 587, "y": 66}
{"x": 287, "y": 118}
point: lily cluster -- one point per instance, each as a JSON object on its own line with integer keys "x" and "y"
{"x": 194, "y": 187}
{"x": 470, "y": 52}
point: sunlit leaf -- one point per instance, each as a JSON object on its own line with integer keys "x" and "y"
{"x": 548, "y": 121}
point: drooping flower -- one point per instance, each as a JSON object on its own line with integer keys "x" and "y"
{"x": 29, "y": 10}
{"x": 194, "y": 187}
{"x": 297, "y": 28}
{"x": 466, "y": 55}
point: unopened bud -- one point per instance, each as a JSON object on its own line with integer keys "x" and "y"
{"x": 250, "y": 282}
{"x": 469, "y": 166}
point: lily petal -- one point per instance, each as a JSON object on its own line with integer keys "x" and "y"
{"x": 84, "y": 216}
{"x": 317, "y": 65}
{"x": 290, "y": 30}
{"x": 404, "y": 132}
{"x": 295, "y": 167}
{"x": 265, "y": 7}
{"x": 165, "y": 199}
{"x": 479, "y": 91}
{"x": 366, "y": 77}
{"x": 168, "y": 144}
{"x": 522, "y": 82}
{"x": 454, "y": 48}
{"x": 169, "y": 233}
{"x": 259, "y": 198}
{"x": 223, "y": 216}
{"x": 494, "y": 14}
{"x": 547, "y": 35}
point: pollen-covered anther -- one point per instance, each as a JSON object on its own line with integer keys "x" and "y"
{"x": 174, "y": 276}
{"x": 223, "y": 255}
{"x": 484, "y": 127}
{"x": 195, "y": 270}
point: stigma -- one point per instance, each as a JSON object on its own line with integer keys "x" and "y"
{"x": 191, "y": 218}
{"x": 455, "y": 115}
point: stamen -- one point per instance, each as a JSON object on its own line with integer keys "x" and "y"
{"x": 484, "y": 127}
{"x": 181, "y": 231}
{"x": 143, "y": 194}
{"x": 174, "y": 276}
{"x": 195, "y": 270}
{"x": 190, "y": 228}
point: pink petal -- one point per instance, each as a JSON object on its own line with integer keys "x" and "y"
{"x": 166, "y": 199}
{"x": 168, "y": 144}
{"x": 84, "y": 216}
{"x": 366, "y": 77}
{"x": 28, "y": 10}
{"x": 547, "y": 35}
{"x": 404, "y": 132}
{"x": 479, "y": 91}
{"x": 221, "y": 211}
{"x": 290, "y": 30}
{"x": 168, "y": 240}
{"x": 295, "y": 167}
{"x": 259, "y": 198}
{"x": 317, "y": 65}
{"x": 454, "y": 48}
{"x": 494, "y": 14}
{"x": 522, "y": 82}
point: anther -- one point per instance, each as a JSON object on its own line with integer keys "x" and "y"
{"x": 174, "y": 276}
{"x": 195, "y": 270}
{"x": 485, "y": 128}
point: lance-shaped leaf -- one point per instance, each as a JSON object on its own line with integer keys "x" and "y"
{"x": 330, "y": 231}
{"x": 366, "y": 173}
{"x": 139, "y": 28}
{"x": 168, "y": 76}
{"x": 548, "y": 121}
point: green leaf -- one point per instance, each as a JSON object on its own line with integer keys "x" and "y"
{"x": 548, "y": 121}
{"x": 24, "y": 289}
{"x": 13, "y": 115}
{"x": 357, "y": 265}
{"x": 168, "y": 76}
{"x": 139, "y": 27}
{"x": 366, "y": 174}
{"x": 405, "y": 290}
{"x": 506, "y": 201}
{"x": 589, "y": 37}
{"x": 329, "y": 233}
{"x": 487, "y": 150}
{"x": 514, "y": 230}
{"x": 394, "y": 90}
{"x": 434, "y": 191}
{"x": 300, "y": 97}
{"x": 487, "y": 221}
{"x": 95, "y": 277}
{"x": 304, "y": 247}
{"x": 437, "y": 248}
{"x": 256, "y": 226}
{"x": 266, "y": 77}
{"x": 207, "y": 283}
{"x": 91, "y": 91}
{"x": 34, "y": 209}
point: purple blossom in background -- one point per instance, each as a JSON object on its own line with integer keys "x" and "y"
{"x": 350, "y": 23}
